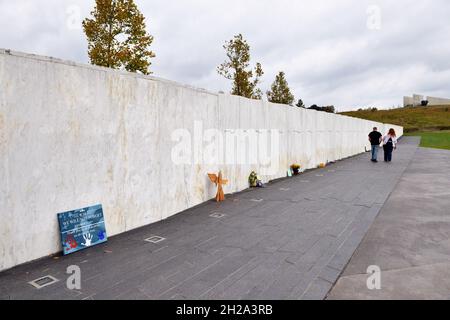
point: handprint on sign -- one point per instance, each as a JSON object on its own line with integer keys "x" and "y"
{"x": 88, "y": 239}
{"x": 101, "y": 235}
{"x": 70, "y": 242}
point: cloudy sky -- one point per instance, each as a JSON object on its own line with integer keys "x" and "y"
{"x": 348, "y": 53}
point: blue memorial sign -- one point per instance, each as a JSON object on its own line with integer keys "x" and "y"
{"x": 82, "y": 228}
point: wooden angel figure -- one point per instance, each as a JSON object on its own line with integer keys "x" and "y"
{"x": 219, "y": 182}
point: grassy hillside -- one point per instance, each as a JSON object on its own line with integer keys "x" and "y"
{"x": 412, "y": 119}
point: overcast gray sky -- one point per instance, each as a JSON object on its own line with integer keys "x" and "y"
{"x": 349, "y": 53}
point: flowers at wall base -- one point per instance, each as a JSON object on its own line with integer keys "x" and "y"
{"x": 254, "y": 180}
{"x": 296, "y": 169}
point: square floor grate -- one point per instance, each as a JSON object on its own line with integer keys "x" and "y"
{"x": 155, "y": 239}
{"x": 43, "y": 282}
{"x": 217, "y": 215}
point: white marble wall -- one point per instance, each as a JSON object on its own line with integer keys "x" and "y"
{"x": 74, "y": 135}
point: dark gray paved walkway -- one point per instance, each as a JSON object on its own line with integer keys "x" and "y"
{"x": 410, "y": 239}
{"x": 288, "y": 241}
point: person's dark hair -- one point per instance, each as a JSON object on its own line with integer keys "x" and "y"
{"x": 392, "y": 133}
{"x": 375, "y": 128}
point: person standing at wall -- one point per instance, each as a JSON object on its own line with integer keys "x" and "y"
{"x": 389, "y": 145}
{"x": 375, "y": 140}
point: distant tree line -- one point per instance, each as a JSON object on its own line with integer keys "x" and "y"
{"x": 329, "y": 109}
{"x": 368, "y": 109}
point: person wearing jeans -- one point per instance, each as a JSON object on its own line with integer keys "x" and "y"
{"x": 375, "y": 139}
{"x": 389, "y": 145}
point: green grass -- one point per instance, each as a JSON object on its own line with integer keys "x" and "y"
{"x": 417, "y": 119}
{"x": 437, "y": 140}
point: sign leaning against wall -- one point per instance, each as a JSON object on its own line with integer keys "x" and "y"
{"x": 81, "y": 229}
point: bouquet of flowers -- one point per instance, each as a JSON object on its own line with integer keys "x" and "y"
{"x": 296, "y": 169}
{"x": 254, "y": 180}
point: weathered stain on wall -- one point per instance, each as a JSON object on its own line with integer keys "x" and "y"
{"x": 73, "y": 135}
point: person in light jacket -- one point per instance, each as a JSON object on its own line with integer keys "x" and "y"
{"x": 389, "y": 145}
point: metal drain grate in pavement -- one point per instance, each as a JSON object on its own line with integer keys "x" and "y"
{"x": 43, "y": 282}
{"x": 217, "y": 215}
{"x": 155, "y": 239}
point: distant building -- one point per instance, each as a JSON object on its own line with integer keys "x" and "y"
{"x": 416, "y": 100}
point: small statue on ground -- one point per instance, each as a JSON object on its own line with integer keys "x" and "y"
{"x": 218, "y": 181}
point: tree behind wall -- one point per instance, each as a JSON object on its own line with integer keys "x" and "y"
{"x": 329, "y": 109}
{"x": 117, "y": 37}
{"x": 236, "y": 68}
{"x": 280, "y": 92}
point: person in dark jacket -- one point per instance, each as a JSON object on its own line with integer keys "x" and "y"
{"x": 375, "y": 140}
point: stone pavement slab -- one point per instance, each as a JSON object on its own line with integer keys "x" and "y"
{"x": 290, "y": 240}
{"x": 410, "y": 239}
